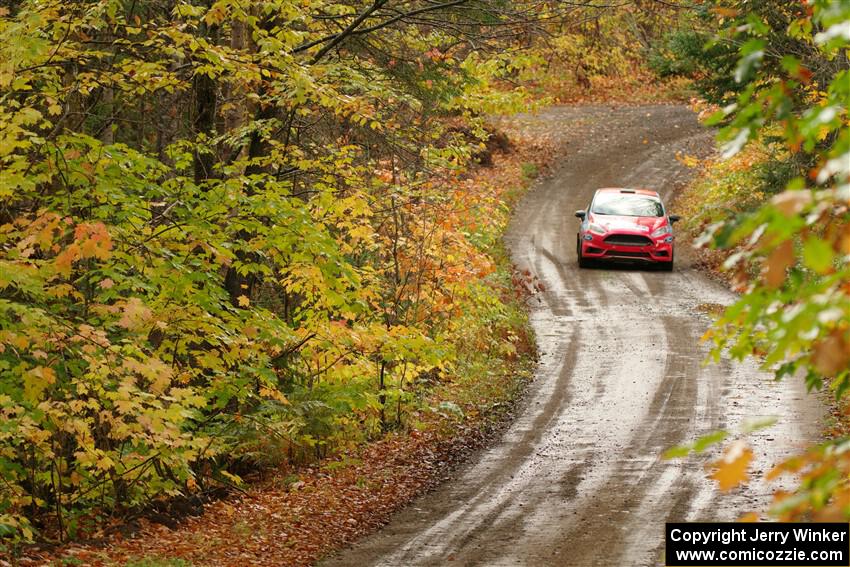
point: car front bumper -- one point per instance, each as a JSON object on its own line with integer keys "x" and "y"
{"x": 596, "y": 248}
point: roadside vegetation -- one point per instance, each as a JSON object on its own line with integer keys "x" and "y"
{"x": 725, "y": 188}
{"x": 234, "y": 236}
{"x": 774, "y": 211}
{"x": 610, "y": 57}
{"x": 296, "y": 513}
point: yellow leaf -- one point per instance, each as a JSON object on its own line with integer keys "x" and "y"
{"x": 37, "y": 380}
{"x": 104, "y": 463}
{"x": 243, "y": 301}
{"x": 273, "y": 394}
{"x": 749, "y": 517}
{"x": 731, "y": 468}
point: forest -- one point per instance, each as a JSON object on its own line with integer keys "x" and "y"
{"x": 247, "y": 236}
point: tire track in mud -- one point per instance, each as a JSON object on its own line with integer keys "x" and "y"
{"x": 578, "y": 479}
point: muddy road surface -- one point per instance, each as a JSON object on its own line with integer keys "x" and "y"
{"x": 577, "y": 480}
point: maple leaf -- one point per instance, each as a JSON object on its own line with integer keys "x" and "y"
{"x": 731, "y": 469}
{"x": 65, "y": 259}
{"x": 243, "y": 301}
{"x": 134, "y": 315}
{"x": 37, "y": 380}
{"x": 777, "y": 263}
{"x": 94, "y": 240}
{"x": 831, "y": 355}
{"x": 273, "y": 394}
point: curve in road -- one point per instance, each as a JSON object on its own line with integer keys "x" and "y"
{"x": 577, "y": 479}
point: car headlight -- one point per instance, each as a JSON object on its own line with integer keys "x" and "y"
{"x": 596, "y": 228}
{"x": 662, "y": 231}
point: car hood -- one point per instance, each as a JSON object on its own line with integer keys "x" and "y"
{"x": 632, "y": 224}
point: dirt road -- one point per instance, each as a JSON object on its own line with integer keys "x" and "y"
{"x": 577, "y": 480}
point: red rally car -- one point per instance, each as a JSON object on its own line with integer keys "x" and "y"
{"x": 626, "y": 225}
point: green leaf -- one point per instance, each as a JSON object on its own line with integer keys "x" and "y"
{"x": 697, "y": 446}
{"x": 818, "y": 255}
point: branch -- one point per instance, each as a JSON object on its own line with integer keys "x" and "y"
{"x": 416, "y": 12}
{"x": 340, "y": 37}
{"x": 336, "y": 39}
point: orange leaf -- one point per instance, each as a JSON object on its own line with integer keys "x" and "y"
{"x": 791, "y": 203}
{"x": 831, "y": 355}
{"x": 725, "y": 12}
{"x": 135, "y": 314}
{"x": 94, "y": 240}
{"x": 776, "y": 264}
{"x": 731, "y": 469}
{"x": 790, "y": 466}
{"x": 65, "y": 259}
{"x": 844, "y": 240}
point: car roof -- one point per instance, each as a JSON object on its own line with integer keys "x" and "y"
{"x": 627, "y": 190}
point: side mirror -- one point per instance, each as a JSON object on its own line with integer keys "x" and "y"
{"x": 674, "y": 218}
{"x": 581, "y": 214}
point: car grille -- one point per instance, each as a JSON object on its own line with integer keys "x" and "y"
{"x": 628, "y": 240}
{"x": 614, "y": 254}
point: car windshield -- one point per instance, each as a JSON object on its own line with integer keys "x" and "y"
{"x": 627, "y": 205}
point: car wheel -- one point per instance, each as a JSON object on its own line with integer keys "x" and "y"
{"x": 667, "y": 266}
{"x": 582, "y": 261}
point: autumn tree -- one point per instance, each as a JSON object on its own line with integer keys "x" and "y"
{"x": 226, "y": 233}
